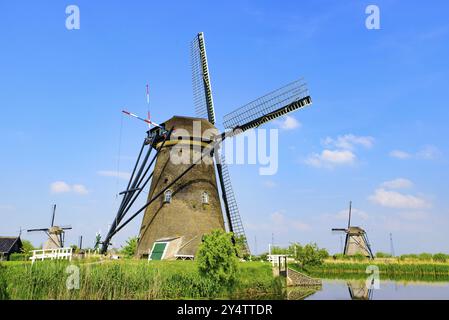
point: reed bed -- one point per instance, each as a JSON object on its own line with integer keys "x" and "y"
{"x": 130, "y": 279}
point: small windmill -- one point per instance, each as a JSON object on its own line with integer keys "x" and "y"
{"x": 184, "y": 200}
{"x": 356, "y": 241}
{"x": 56, "y": 234}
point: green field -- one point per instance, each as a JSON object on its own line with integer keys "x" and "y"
{"x": 133, "y": 279}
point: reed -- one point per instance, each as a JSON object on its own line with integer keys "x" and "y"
{"x": 131, "y": 279}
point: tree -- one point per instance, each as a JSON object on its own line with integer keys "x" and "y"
{"x": 27, "y": 246}
{"x": 130, "y": 248}
{"x": 309, "y": 255}
{"x": 216, "y": 257}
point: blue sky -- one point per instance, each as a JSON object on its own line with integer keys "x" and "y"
{"x": 376, "y": 133}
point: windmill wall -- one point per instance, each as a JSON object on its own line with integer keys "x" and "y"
{"x": 186, "y": 216}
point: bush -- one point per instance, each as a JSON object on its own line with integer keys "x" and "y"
{"x": 309, "y": 255}
{"x": 27, "y": 246}
{"x": 425, "y": 256}
{"x": 216, "y": 258}
{"x": 19, "y": 257}
{"x": 440, "y": 257}
{"x": 130, "y": 248}
{"x": 383, "y": 255}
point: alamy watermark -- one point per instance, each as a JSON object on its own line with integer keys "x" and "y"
{"x": 372, "y": 22}
{"x": 72, "y": 22}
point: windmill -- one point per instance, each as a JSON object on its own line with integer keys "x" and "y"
{"x": 356, "y": 241}
{"x": 56, "y": 234}
{"x": 186, "y": 200}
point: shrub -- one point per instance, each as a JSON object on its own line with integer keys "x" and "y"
{"x": 19, "y": 257}
{"x": 216, "y": 257}
{"x": 440, "y": 257}
{"x": 130, "y": 248}
{"x": 27, "y": 246}
{"x": 383, "y": 255}
{"x": 309, "y": 255}
{"x": 425, "y": 256}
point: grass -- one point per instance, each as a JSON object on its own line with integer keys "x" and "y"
{"x": 389, "y": 268}
{"x": 132, "y": 279}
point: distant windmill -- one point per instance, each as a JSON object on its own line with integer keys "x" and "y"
{"x": 56, "y": 234}
{"x": 356, "y": 239}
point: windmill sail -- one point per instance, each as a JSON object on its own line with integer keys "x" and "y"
{"x": 269, "y": 107}
{"x": 204, "y": 108}
{"x": 235, "y": 224}
{"x": 202, "y": 91}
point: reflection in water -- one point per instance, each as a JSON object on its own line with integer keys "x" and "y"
{"x": 301, "y": 293}
{"x": 389, "y": 290}
{"x": 359, "y": 291}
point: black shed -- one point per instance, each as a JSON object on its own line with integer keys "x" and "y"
{"x": 9, "y": 245}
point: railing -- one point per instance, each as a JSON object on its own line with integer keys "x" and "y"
{"x": 52, "y": 254}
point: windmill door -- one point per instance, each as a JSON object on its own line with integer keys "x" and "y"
{"x": 158, "y": 251}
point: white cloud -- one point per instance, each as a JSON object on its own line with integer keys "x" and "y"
{"x": 428, "y": 152}
{"x": 394, "y": 199}
{"x": 80, "y": 189}
{"x": 289, "y": 123}
{"x": 399, "y": 183}
{"x": 398, "y": 154}
{"x": 59, "y": 187}
{"x": 349, "y": 141}
{"x": 116, "y": 174}
{"x": 331, "y": 158}
{"x": 63, "y": 187}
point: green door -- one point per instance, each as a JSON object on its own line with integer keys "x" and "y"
{"x": 158, "y": 251}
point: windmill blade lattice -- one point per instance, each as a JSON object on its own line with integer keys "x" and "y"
{"x": 269, "y": 107}
{"x": 234, "y": 215}
{"x": 202, "y": 91}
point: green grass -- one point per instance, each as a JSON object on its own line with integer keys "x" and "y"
{"x": 393, "y": 271}
{"x": 132, "y": 279}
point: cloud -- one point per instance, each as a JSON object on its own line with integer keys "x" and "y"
{"x": 289, "y": 123}
{"x": 59, "y": 187}
{"x": 117, "y": 174}
{"x": 398, "y": 154}
{"x": 349, "y": 141}
{"x": 63, "y": 187}
{"x": 339, "y": 151}
{"x": 399, "y": 183}
{"x": 331, "y": 158}
{"x": 428, "y": 152}
{"x": 80, "y": 189}
{"x": 394, "y": 199}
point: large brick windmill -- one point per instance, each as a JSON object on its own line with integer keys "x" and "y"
{"x": 184, "y": 201}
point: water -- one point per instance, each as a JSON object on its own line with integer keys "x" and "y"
{"x": 388, "y": 290}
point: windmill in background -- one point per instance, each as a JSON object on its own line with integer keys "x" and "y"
{"x": 356, "y": 241}
{"x": 56, "y": 234}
